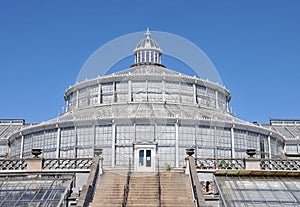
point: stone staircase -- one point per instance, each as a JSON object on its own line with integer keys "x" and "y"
{"x": 110, "y": 189}
{"x": 176, "y": 190}
{"x": 143, "y": 190}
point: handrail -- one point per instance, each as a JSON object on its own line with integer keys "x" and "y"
{"x": 126, "y": 187}
{"x": 195, "y": 197}
{"x": 196, "y": 188}
{"x": 88, "y": 190}
{"x": 159, "y": 184}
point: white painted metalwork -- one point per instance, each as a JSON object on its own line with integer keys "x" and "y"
{"x": 146, "y": 102}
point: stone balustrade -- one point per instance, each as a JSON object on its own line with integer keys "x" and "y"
{"x": 248, "y": 164}
{"x": 32, "y": 164}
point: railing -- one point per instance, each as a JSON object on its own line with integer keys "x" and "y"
{"x": 13, "y": 164}
{"x": 159, "y": 184}
{"x": 47, "y": 164}
{"x": 240, "y": 164}
{"x": 88, "y": 190}
{"x": 280, "y": 164}
{"x": 196, "y": 188}
{"x": 126, "y": 187}
{"x": 67, "y": 163}
{"x": 213, "y": 163}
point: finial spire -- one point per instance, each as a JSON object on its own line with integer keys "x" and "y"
{"x": 148, "y": 33}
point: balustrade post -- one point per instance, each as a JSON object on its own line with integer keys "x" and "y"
{"x": 252, "y": 163}
{"x": 35, "y": 163}
{"x": 189, "y": 152}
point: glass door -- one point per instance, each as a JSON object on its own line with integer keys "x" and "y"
{"x": 145, "y": 159}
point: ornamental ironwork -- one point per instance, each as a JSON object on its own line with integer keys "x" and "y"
{"x": 226, "y": 164}
{"x": 280, "y": 164}
{"x": 81, "y": 163}
{"x": 13, "y": 164}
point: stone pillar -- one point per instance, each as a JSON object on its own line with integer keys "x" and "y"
{"x": 35, "y": 163}
{"x": 189, "y": 152}
{"x": 252, "y": 163}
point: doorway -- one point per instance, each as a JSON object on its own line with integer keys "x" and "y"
{"x": 144, "y": 157}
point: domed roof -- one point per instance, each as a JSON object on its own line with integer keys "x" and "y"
{"x": 147, "y": 44}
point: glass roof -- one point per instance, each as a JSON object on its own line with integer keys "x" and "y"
{"x": 33, "y": 190}
{"x": 6, "y": 130}
{"x": 146, "y": 110}
{"x": 290, "y": 132}
{"x": 259, "y": 190}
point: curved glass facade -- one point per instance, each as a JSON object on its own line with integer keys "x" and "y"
{"x": 144, "y": 88}
{"x": 116, "y": 140}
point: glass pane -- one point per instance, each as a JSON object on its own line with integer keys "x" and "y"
{"x": 148, "y": 158}
{"x": 259, "y": 190}
{"x": 141, "y": 157}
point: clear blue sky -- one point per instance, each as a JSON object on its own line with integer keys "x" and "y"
{"x": 255, "y": 46}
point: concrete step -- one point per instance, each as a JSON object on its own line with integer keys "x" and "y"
{"x": 105, "y": 205}
{"x": 109, "y": 189}
{"x": 142, "y": 204}
{"x": 175, "y": 189}
{"x": 143, "y": 190}
{"x": 145, "y": 201}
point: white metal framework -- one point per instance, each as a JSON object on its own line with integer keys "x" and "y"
{"x": 146, "y": 103}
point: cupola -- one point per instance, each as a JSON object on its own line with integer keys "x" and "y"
{"x": 147, "y": 51}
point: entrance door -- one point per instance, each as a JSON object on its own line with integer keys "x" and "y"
{"x": 145, "y": 159}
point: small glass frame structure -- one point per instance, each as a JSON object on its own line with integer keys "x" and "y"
{"x": 34, "y": 190}
{"x": 259, "y": 190}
